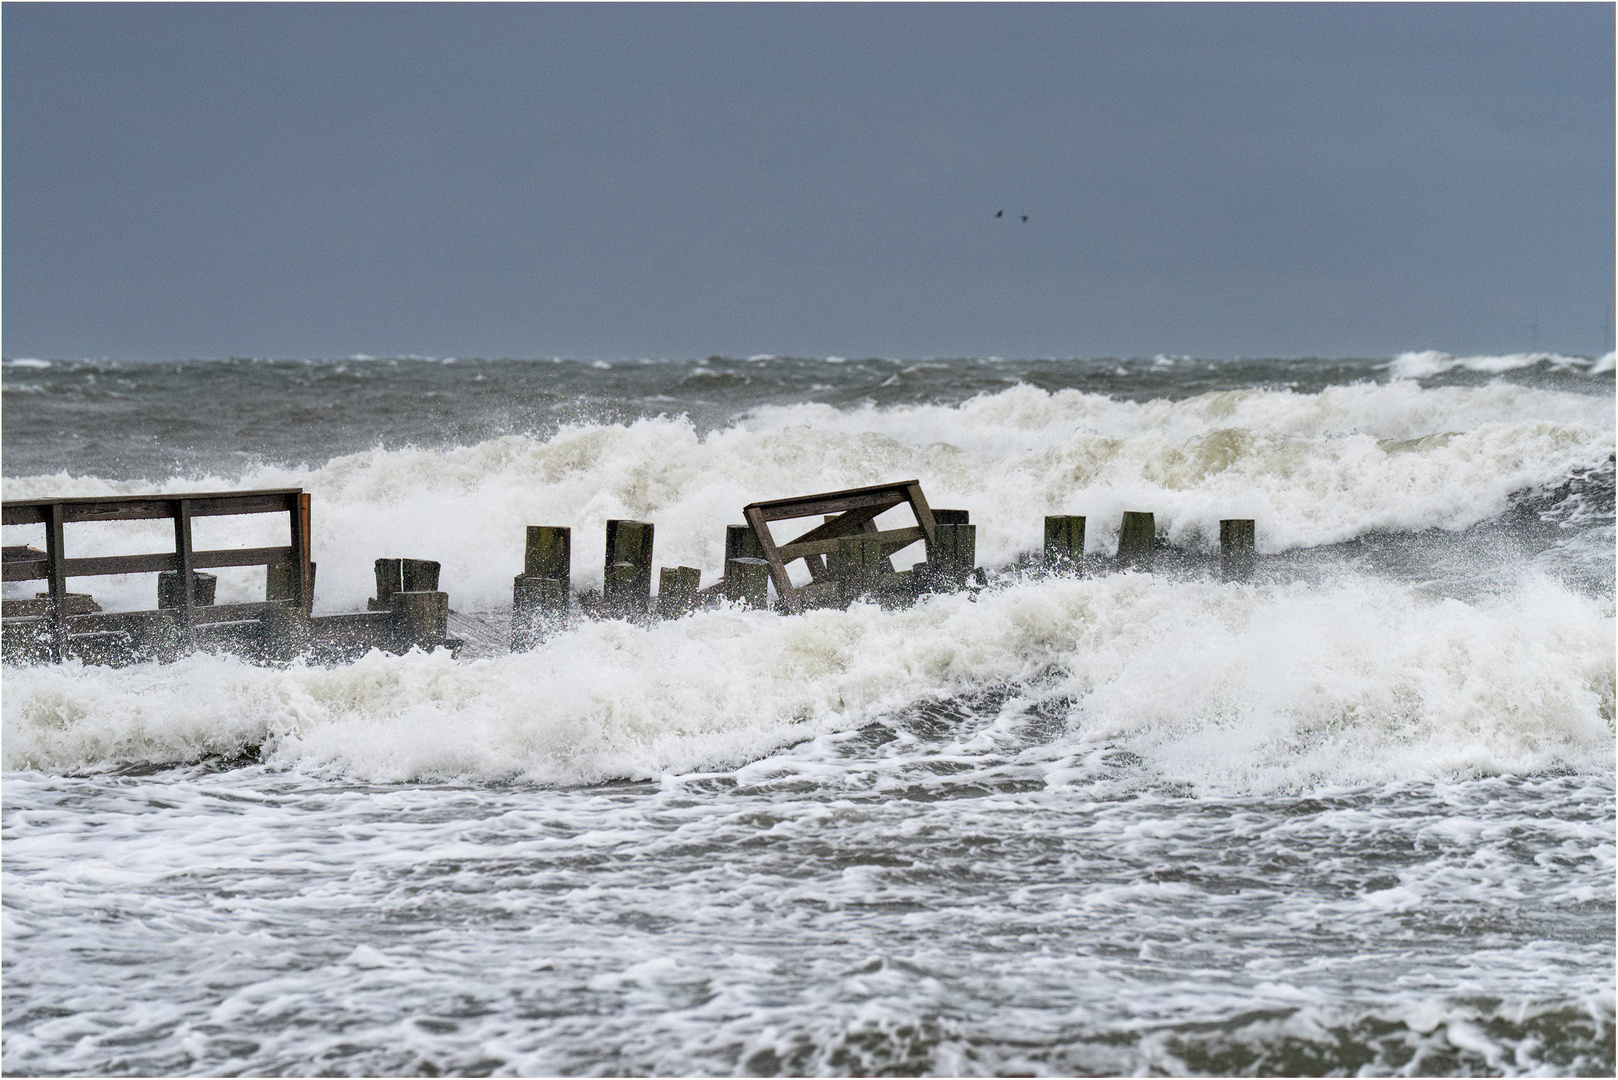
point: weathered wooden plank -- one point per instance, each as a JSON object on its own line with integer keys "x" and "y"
{"x": 924, "y": 513}
{"x": 849, "y": 524}
{"x": 826, "y": 496}
{"x": 795, "y": 508}
{"x": 24, "y": 563}
{"x": 263, "y": 556}
{"x": 140, "y": 507}
{"x": 891, "y": 540}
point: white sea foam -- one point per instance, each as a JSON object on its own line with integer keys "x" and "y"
{"x": 1310, "y": 469}
{"x": 1231, "y": 687}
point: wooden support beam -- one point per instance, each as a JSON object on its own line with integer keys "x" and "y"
{"x": 185, "y": 586}
{"x": 57, "y": 558}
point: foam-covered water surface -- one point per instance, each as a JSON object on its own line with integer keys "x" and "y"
{"x": 1353, "y": 816}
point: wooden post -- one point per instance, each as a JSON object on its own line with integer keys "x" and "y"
{"x": 626, "y": 587}
{"x": 747, "y": 571}
{"x": 186, "y": 583}
{"x": 855, "y": 567}
{"x": 548, "y": 553}
{"x": 957, "y": 548}
{"x": 539, "y": 595}
{"x": 742, "y": 543}
{"x": 303, "y": 570}
{"x": 159, "y": 637}
{"x": 57, "y": 589}
{"x": 1236, "y": 549}
{"x": 418, "y": 575}
{"x": 389, "y": 580}
{"x": 537, "y": 604}
{"x": 1064, "y": 542}
{"x": 677, "y": 591}
{"x": 204, "y": 588}
{"x": 1137, "y": 541}
{"x": 420, "y": 618}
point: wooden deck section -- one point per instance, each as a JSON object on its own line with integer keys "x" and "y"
{"x": 852, "y": 514}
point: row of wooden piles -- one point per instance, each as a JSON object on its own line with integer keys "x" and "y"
{"x": 861, "y": 567}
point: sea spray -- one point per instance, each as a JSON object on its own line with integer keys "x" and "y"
{"x": 1232, "y": 688}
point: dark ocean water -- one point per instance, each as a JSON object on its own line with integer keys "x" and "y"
{"x": 1353, "y": 817}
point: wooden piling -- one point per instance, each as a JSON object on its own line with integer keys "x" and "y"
{"x": 540, "y": 594}
{"x": 747, "y": 571}
{"x": 389, "y": 580}
{"x": 204, "y": 587}
{"x": 677, "y": 590}
{"x": 281, "y": 582}
{"x": 747, "y": 581}
{"x": 548, "y": 553}
{"x": 953, "y": 556}
{"x": 420, "y": 618}
{"x": 1064, "y": 542}
{"x": 1137, "y": 541}
{"x": 627, "y": 575}
{"x": 1237, "y": 549}
{"x": 537, "y": 606}
{"x": 418, "y": 575}
{"x": 856, "y": 565}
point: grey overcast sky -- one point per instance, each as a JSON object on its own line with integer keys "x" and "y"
{"x": 602, "y": 180}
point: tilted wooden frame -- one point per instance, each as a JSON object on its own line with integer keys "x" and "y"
{"x": 856, "y": 510}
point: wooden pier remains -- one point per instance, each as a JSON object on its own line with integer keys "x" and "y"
{"x": 848, "y": 558}
{"x": 55, "y": 627}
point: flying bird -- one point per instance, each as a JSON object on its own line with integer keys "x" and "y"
{"x": 1025, "y": 217}
{"x": 999, "y": 213}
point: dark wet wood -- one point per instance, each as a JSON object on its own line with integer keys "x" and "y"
{"x": 1137, "y": 541}
{"x": 849, "y": 514}
{"x": 1064, "y": 541}
{"x": 1237, "y": 549}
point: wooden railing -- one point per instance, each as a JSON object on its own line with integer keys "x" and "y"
{"x": 53, "y": 566}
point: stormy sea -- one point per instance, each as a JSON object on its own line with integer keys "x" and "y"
{"x": 1353, "y": 815}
